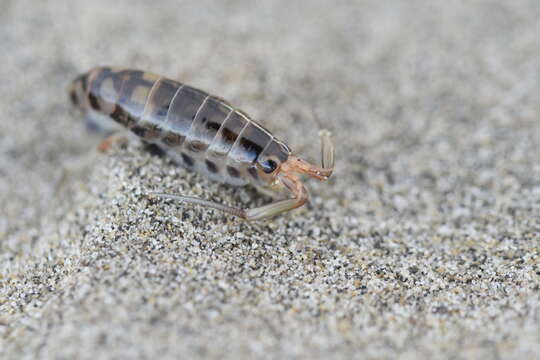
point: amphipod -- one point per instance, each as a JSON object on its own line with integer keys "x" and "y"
{"x": 200, "y": 132}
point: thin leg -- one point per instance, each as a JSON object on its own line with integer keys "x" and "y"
{"x": 110, "y": 141}
{"x": 273, "y": 209}
{"x": 258, "y": 213}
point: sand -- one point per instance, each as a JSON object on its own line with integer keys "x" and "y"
{"x": 425, "y": 244}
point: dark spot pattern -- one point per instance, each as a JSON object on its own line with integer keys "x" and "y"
{"x": 233, "y": 126}
{"x": 182, "y": 118}
{"x": 208, "y": 121}
{"x": 122, "y": 117}
{"x": 97, "y": 77}
{"x": 73, "y": 97}
{"x": 233, "y": 172}
{"x": 227, "y": 135}
{"x": 139, "y": 130}
{"x": 104, "y": 87}
{"x": 146, "y": 131}
{"x": 94, "y": 103}
{"x": 253, "y": 172}
{"x": 84, "y": 82}
{"x": 154, "y": 149}
{"x": 188, "y": 160}
{"x": 211, "y": 166}
{"x": 134, "y": 93}
{"x": 251, "y": 144}
{"x": 172, "y": 139}
{"x": 197, "y": 146}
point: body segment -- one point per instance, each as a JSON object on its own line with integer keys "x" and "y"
{"x": 199, "y": 131}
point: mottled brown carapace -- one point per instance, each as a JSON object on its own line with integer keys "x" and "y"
{"x": 199, "y": 131}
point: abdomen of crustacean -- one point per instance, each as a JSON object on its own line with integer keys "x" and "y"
{"x": 201, "y": 132}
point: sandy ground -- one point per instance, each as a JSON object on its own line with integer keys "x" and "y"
{"x": 425, "y": 244}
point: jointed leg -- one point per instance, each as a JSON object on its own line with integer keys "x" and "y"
{"x": 288, "y": 179}
{"x": 258, "y": 213}
{"x": 110, "y": 140}
{"x": 262, "y": 212}
{"x": 323, "y": 172}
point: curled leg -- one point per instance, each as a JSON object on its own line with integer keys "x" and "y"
{"x": 300, "y": 197}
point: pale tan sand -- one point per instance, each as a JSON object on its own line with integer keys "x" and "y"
{"x": 424, "y": 244}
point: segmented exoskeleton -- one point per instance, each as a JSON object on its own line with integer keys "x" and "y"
{"x": 201, "y": 132}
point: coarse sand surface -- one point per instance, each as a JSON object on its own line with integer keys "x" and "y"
{"x": 424, "y": 244}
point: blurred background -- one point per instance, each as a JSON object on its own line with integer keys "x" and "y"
{"x": 428, "y": 233}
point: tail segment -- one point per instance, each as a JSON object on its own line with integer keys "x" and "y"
{"x": 86, "y": 97}
{"x": 78, "y": 92}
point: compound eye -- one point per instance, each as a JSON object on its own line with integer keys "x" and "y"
{"x": 268, "y": 166}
